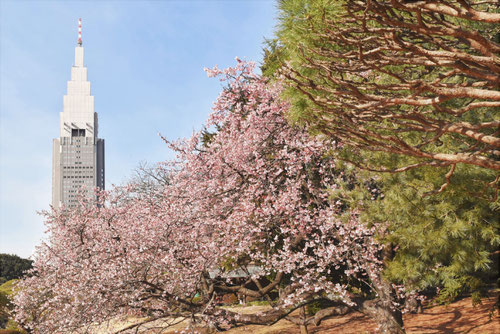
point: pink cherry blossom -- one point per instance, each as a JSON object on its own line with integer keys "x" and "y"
{"x": 245, "y": 200}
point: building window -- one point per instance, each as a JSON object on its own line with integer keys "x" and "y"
{"x": 77, "y": 132}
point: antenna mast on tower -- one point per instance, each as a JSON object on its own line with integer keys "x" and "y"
{"x": 80, "y": 32}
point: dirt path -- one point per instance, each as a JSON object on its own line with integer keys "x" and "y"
{"x": 459, "y": 317}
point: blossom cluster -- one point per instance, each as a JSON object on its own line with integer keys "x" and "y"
{"x": 249, "y": 190}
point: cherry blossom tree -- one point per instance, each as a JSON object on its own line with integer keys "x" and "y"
{"x": 244, "y": 208}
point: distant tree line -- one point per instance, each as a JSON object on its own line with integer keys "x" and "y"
{"x": 12, "y": 267}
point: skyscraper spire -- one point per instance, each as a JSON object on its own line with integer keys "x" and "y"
{"x": 80, "y": 31}
{"x": 78, "y": 152}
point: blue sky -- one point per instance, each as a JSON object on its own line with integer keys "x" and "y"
{"x": 145, "y": 62}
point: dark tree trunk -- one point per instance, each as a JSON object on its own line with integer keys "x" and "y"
{"x": 382, "y": 309}
{"x": 389, "y": 319}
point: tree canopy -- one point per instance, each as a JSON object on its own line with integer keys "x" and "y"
{"x": 412, "y": 78}
{"x": 394, "y": 81}
{"x": 12, "y": 267}
{"x": 246, "y": 210}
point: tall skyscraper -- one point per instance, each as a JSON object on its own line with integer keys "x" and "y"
{"x": 78, "y": 153}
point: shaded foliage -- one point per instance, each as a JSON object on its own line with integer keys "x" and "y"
{"x": 12, "y": 267}
{"x": 387, "y": 80}
{"x": 416, "y": 79}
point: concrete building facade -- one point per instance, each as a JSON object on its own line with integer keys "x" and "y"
{"x": 78, "y": 153}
